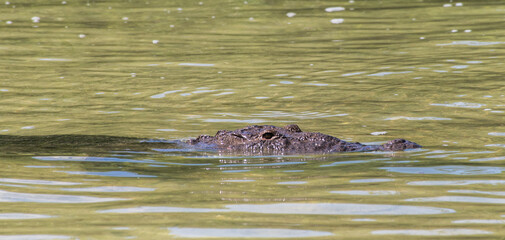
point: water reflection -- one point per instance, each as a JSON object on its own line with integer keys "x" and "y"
{"x": 499, "y": 134}
{"x": 371, "y": 180}
{"x": 345, "y": 162}
{"x": 419, "y": 118}
{"x": 465, "y": 199}
{"x": 227, "y": 71}
{"x": 455, "y": 182}
{"x": 298, "y": 208}
{"x": 239, "y": 180}
{"x": 382, "y": 74}
{"x": 110, "y": 174}
{"x": 197, "y": 64}
{"x": 453, "y": 170}
{"x": 497, "y": 193}
{"x": 37, "y": 166}
{"x": 109, "y": 189}
{"x": 235, "y": 171}
{"x": 470, "y": 43}
{"x": 161, "y": 209}
{"x": 459, "y": 105}
{"x": 37, "y": 182}
{"x": 33, "y": 237}
{"x": 91, "y": 159}
{"x": 488, "y": 159}
{"x": 6, "y": 196}
{"x": 261, "y": 164}
{"x": 432, "y": 232}
{"x": 480, "y": 221}
{"x": 292, "y": 182}
{"x": 18, "y": 216}
{"x": 363, "y": 220}
{"x": 364, "y": 192}
{"x": 244, "y": 233}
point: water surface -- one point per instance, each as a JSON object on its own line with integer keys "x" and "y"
{"x": 94, "y": 93}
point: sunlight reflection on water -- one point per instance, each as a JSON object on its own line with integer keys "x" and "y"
{"x": 109, "y": 189}
{"x": 36, "y": 181}
{"x": 299, "y": 208}
{"x": 110, "y": 174}
{"x": 244, "y": 233}
{"x": 433, "y": 232}
{"x": 455, "y": 170}
{"x": 33, "y": 237}
{"x": 14, "y": 216}
{"x": 6, "y": 196}
{"x": 465, "y": 199}
{"x": 455, "y": 182}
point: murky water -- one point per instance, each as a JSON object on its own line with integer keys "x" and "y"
{"x": 102, "y": 74}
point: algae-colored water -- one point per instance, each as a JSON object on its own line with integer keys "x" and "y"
{"x": 102, "y": 74}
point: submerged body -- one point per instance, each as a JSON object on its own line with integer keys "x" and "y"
{"x": 288, "y": 140}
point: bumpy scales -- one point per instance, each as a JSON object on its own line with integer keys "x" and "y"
{"x": 288, "y": 140}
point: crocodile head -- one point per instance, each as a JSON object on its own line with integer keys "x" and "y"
{"x": 287, "y": 140}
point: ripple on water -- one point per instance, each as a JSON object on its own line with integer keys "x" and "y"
{"x": 334, "y": 9}
{"x": 459, "y": 66}
{"x": 498, "y": 134}
{"x": 470, "y": 43}
{"x": 197, "y": 64}
{"x": 292, "y": 182}
{"x": 345, "y": 162}
{"x": 33, "y": 237}
{"x": 419, "y": 118}
{"x": 480, "y": 221}
{"x": 455, "y": 182}
{"x": 497, "y": 193}
{"x": 37, "y": 182}
{"x": 488, "y": 159}
{"x": 18, "y": 216}
{"x": 464, "y": 199}
{"x": 248, "y": 121}
{"x": 363, "y": 220}
{"x": 371, "y": 180}
{"x": 235, "y": 171}
{"x": 109, "y": 189}
{"x": 298, "y": 115}
{"x": 162, "y": 95}
{"x": 381, "y": 74}
{"x": 244, "y": 233}
{"x": 337, "y": 20}
{"x": 336, "y": 209}
{"x": 352, "y": 74}
{"x": 38, "y": 166}
{"x": 6, "y": 196}
{"x": 366, "y": 192}
{"x": 432, "y": 232}
{"x": 459, "y": 105}
{"x": 239, "y": 180}
{"x": 261, "y": 164}
{"x": 454, "y": 170}
{"x": 110, "y": 174}
{"x": 55, "y": 59}
{"x": 90, "y": 159}
{"x": 298, "y": 208}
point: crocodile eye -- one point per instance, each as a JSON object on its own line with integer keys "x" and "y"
{"x": 268, "y": 135}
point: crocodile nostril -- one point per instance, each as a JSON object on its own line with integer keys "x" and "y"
{"x": 268, "y": 135}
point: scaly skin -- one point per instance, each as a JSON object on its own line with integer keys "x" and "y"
{"x": 288, "y": 140}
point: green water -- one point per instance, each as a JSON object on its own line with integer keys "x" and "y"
{"x": 102, "y": 74}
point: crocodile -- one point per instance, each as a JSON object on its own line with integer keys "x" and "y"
{"x": 261, "y": 139}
